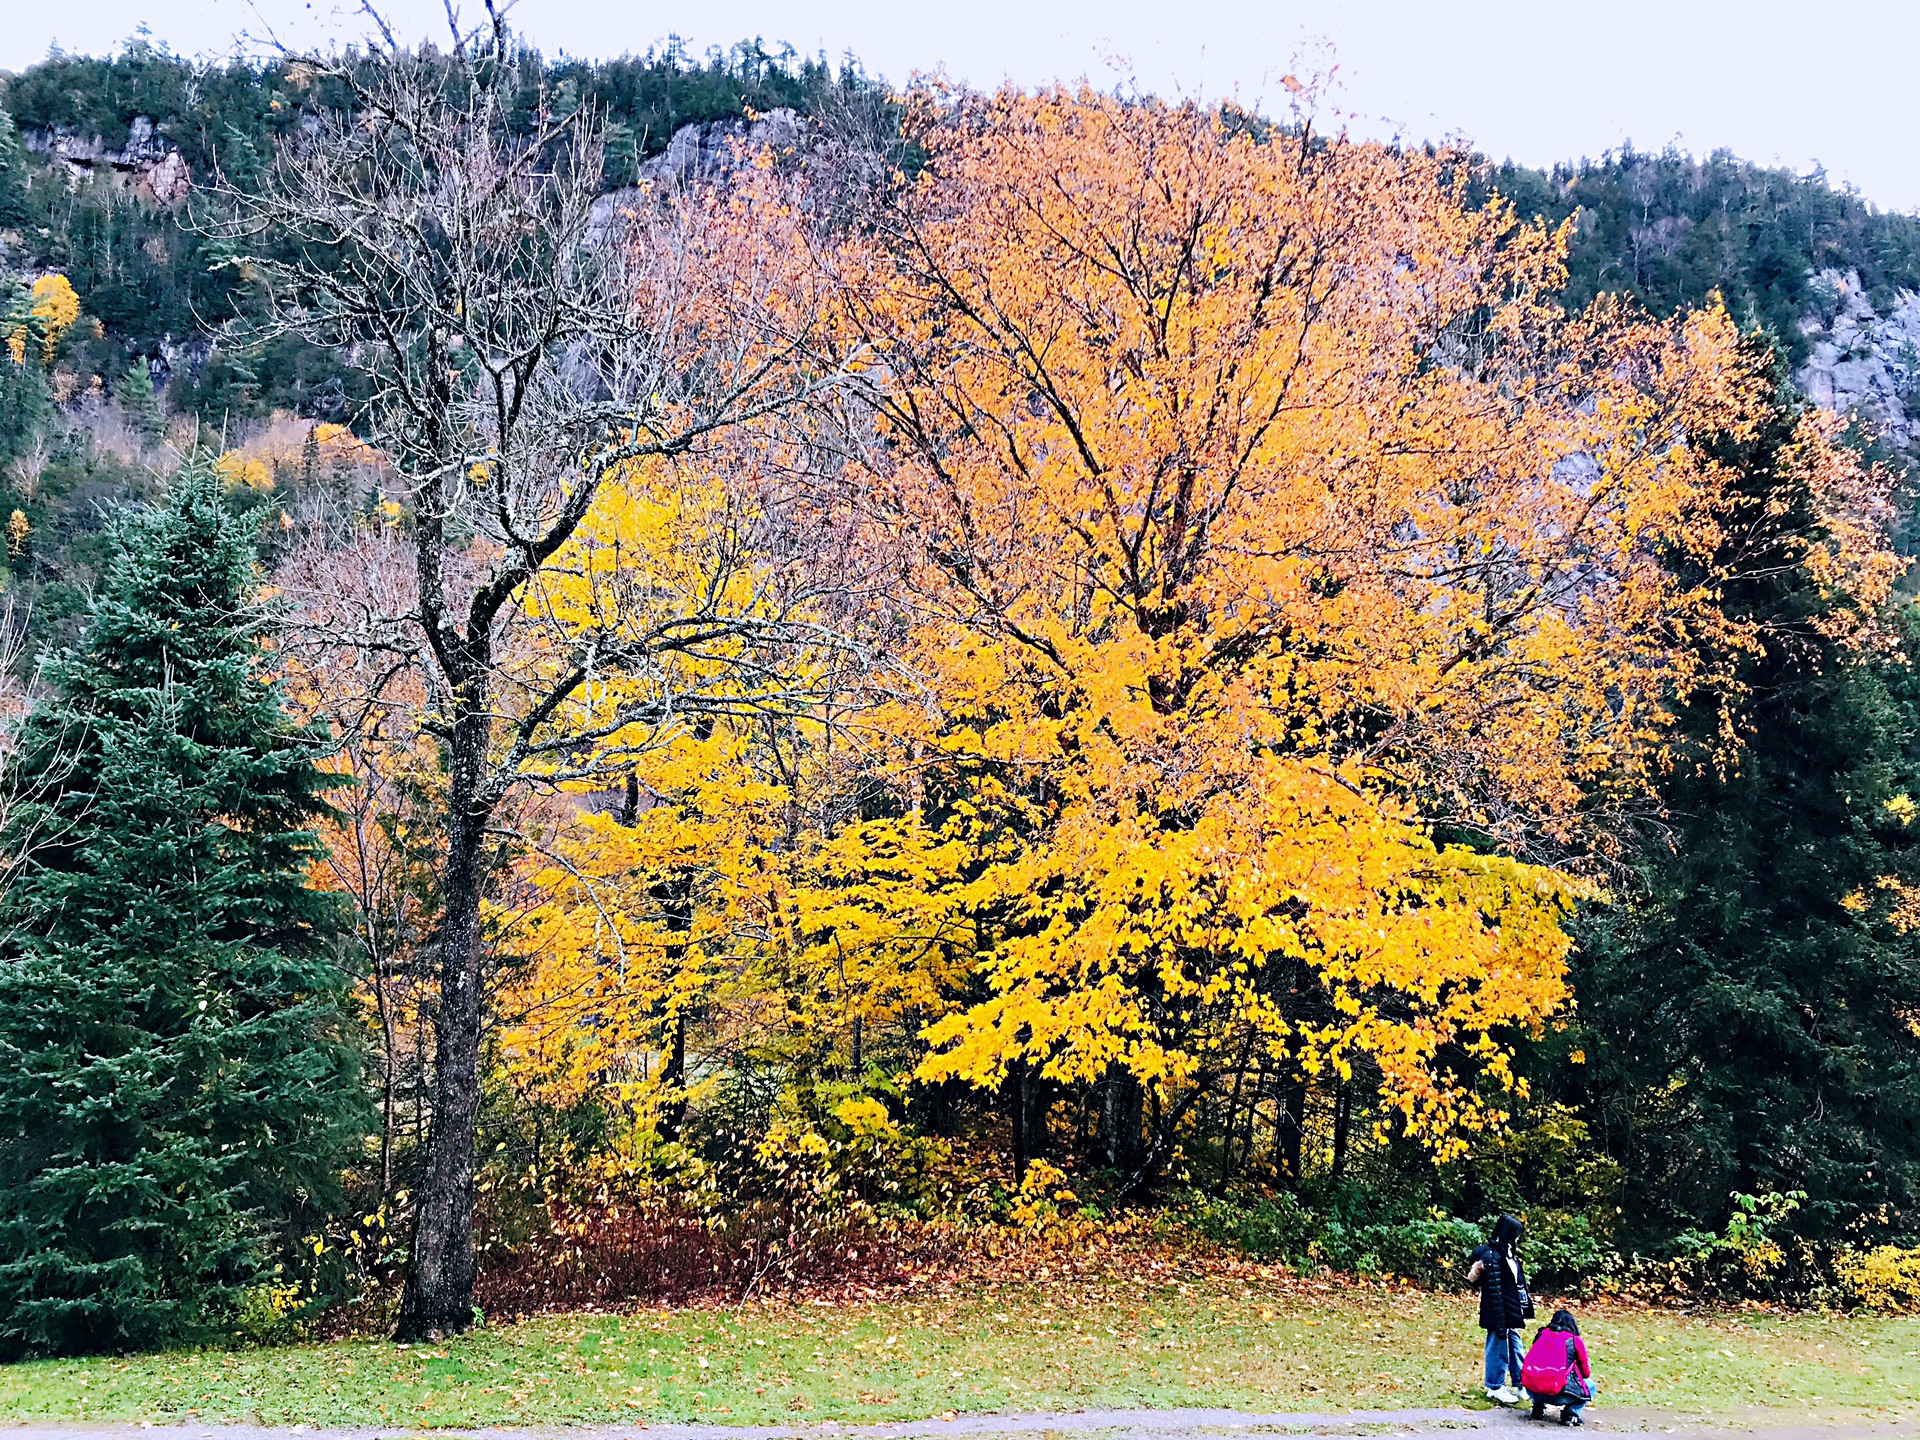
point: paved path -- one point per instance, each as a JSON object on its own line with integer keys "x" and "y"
{"x": 1093, "y": 1424}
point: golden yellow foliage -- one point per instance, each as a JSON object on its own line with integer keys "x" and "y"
{"x": 1289, "y": 587}
{"x": 1043, "y": 1190}
{"x": 236, "y": 469}
{"x": 288, "y": 441}
{"x": 53, "y": 307}
{"x": 1903, "y": 910}
{"x": 639, "y": 914}
{"x": 56, "y": 307}
{"x": 715, "y": 884}
{"x": 635, "y": 928}
{"x": 1885, "y": 1278}
{"x": 1264, "y": 512}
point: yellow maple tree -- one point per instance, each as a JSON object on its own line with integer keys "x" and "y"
{"x": 723, "y": 896}
{"x": 1266, "y": 518}
{"x": 1288, "y": 589}
{"x": 661, "y": 899}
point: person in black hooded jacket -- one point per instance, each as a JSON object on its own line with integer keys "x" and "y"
{"x": 1502, "y": 1279}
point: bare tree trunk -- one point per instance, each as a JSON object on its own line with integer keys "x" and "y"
{"x": 1342, "y": 1126}
{"x": 440, "y": 1275}
{"x": 676, "y": 904}
{"x": 1120, "y": 1119}
{"x": 673, "y": 1080}
{"x": 1293, "y": 1127}
{"x": 1226, "y": 1134}
{"x": 389, "y": 1058}
{"x": 1018, "y": 1084}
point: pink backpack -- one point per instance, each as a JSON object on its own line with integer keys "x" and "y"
{"x": 1544, "y": 1372}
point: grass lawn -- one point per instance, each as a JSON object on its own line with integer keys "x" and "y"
{"x": 1220, "y": 1341}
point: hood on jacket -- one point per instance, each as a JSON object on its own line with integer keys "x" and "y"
{"x": 1506, "y": 1234}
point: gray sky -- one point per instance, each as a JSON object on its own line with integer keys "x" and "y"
{"x": 1832, "y": 82}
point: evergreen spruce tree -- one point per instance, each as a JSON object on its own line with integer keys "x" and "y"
{"x": 136, "y": 397}
{"x": 1747, "y": 1008}
{"x": 177, "y": 1087}
{"x": 13, "y": 172}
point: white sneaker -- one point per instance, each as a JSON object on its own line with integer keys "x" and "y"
{"x": 1506, "y": 1395}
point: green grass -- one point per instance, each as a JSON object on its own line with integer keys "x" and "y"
{"x": 1216, "y": 1342}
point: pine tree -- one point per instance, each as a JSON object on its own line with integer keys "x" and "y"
{"x": 177, "y": 1092}
{"x": 13, "y": 172}
{"x": 1746, "y": 1028}
{"x": 1746, "y": 1010}
{"x": 136, "y": 396}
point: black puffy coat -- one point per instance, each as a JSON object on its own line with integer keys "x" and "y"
{"x": 1503, "y": 1301}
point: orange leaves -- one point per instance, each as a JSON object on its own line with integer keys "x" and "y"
{"x": 1257, "y": 520}
{"x": 1269, "y": 513}
{"x": 1199, "y": 419}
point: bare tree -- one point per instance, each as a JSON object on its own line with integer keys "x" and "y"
{"x": 28, "y": 826}
{"x": 440, "y": 227}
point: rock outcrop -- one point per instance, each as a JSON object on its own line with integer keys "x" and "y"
{"x": 716, "y": 149}
{"x": 1862, "y": 361}
{"x": 147, "y": 160}
{"x": 708, "y": 152}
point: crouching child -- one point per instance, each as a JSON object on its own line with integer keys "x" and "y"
{"x": 1556, "y": 1370}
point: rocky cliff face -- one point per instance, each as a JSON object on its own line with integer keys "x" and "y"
{"x": 147, "y": 160}
{"x": 700, "y": 153}
{"x": 706, "y": 153}
{"x": 1863, "y": 361}
{"x": 714, "y": 150}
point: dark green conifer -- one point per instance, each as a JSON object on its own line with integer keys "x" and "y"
{"x": 177, "y": 1091}
{"x": 13, "y": 172}
{"x": 1746, "y": 1010}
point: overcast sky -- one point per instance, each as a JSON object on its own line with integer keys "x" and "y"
{"x": 1834, "y": 83}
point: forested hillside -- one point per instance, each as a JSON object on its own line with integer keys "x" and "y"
{"x": 793, "y": 756}
{"x": 106, "y": 167}
{"x": 1666, "y": 229}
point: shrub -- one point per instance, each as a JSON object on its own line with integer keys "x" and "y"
{"x": 1429, "y": 1251}
{"x": 1043, "y": 1192}
{"x": 880, "y": 1163}
{"x": 275, "y": 1314}
{"x": 1275, "y": 1227}
{"x": 658, "y": 1251}
{"x": 1563, "y": 1252}
{"x": 827, "y": 1189}
{"x": 1752, "y": 1258}
{"x": 1545, "y": 1160}
{"x": 1885, "y": 1278}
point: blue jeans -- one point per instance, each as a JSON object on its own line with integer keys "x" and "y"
{"x": 1572, "y": 1401}
{"x": 1503, "y": 1358}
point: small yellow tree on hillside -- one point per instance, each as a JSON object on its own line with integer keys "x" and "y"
{"x": 52, "y": 309}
